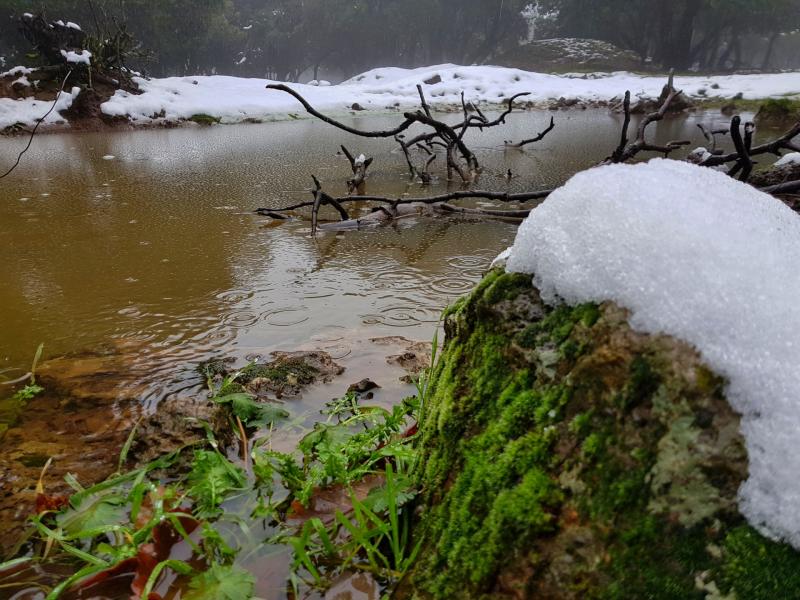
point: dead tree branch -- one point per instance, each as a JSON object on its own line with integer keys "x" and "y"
{"x": 450, "y": 137}
{"x": 359, "y": 167}
{"x": 711, "y": 137}
{"x": 536, "y": 139}
{"x": 626, "y": 151}
{"x": 321, "y": 198}
{"x": 776, "y": 146}
{"x": 394, "y": 202}
{"x": 789, "y": 187}
{"x": 744, "y": 162}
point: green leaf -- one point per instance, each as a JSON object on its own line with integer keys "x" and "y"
{"x": 92, "y": 513}
{"x": 211, "y": 479}
{"x": 252, "y": 413}
{"x": 221, "y": 583}
{"x": 383, "y": 498}
{"x": 28, "y": 392}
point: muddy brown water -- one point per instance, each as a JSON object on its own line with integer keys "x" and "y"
{"x": 143, "y": 245}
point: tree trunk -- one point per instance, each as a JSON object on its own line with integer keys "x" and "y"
{"x": 770, "y": 49}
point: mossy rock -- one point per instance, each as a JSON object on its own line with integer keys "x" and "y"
{"x": 778, "y": 111}
{"x": 566, "y": 455}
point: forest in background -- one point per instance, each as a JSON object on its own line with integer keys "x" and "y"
{"x": 283, "y": 39}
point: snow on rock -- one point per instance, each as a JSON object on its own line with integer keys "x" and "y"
{"x": 81, "y": 57}
{"x": 695, "y": 254}
{"x": 28, "y": 111}
{"x": 235, "y": 99}
{"x": 75, "y": 26}
{"x": 789, "y": 159}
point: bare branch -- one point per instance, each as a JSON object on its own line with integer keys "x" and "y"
{"x": 784, "y": 142}
{"x": 538, "y": 138}
{"x": 788, "y": 187}
{"x": 312, "y": 111}
{"x": 625, "y": 151}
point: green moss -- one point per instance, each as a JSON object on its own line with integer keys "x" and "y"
{"x": 778, "y": 110}
{"x": 657, "y": 563}
{"x": 290, "y": 370}
{"x": 757, "y": 568}
{"x": 537, "y": 429}
{"x": 642, "y": 383}
{"x": 505, "y": 287}
{"x": 204, "y": 119}
{"x": 557, "y": 326}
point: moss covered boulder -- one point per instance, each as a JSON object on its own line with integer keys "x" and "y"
{"x": 569, "y": 456}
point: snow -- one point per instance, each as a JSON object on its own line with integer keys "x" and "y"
{"x": 17, "y": 71}
{"x": 699, "y": 155}
{"x": 28, "y": 111}
{"x": 81, "y": 57}
{"x": 235, "y": 99}
{"x": 695, "y": 254}
{"x": 72, "y": 25}
{"x": 22, "y": 81}
{"x": 789, "y": 159}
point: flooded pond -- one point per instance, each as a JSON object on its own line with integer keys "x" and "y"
{"x": 143, "y": 246}
{"x": 159, "y": 244}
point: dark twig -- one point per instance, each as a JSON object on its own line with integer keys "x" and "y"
{"x": 711, "y": 137}
{"x": 625, "y": 151}
{"x": 788, "y": 187}
{"x": 359, "y": 167}
{"x": 744, "y": 162}
{"x": 538, "y": 138}
{"x": 312, "y": 111}
{"x": 776, "y": 146}
{"x": 617, "y": 155}
{"x": 36, "y": 127}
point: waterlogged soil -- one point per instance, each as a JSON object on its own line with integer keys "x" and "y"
{"x": 135, "y": 256}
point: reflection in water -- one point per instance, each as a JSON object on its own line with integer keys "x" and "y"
{"x": 160, "y": 245}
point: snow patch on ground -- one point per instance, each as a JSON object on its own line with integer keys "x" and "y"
{"x": 693, "y": 253}
{"x": 789, "y": 159}
{"x": 235, "y": 99}
{"x": 28, "y": 111}
{"x": 17, "y": 71}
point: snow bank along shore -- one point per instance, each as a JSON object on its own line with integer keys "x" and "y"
{"x": 233, "y": 99}
{"x": 695, "y": 254}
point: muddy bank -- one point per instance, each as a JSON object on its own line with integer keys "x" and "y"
{"x": 568, "y": 456}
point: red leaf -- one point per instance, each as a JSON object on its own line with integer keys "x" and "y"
{"x": 45, "y": 503}
{"x": 141, "y": 566}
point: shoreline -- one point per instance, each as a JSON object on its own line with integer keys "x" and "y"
{"x": 206, "y": 100}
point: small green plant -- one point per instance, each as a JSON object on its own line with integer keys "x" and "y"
{"x": 364, "y": 455}
{"x": 31, "y": 389}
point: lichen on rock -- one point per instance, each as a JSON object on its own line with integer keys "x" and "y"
{"x": 566, "y": 455}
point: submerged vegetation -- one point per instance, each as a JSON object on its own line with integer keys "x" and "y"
{"x": 204, "y": 525}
